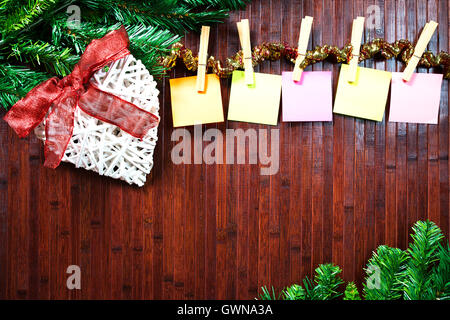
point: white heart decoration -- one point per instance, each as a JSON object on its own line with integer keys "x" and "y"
{"x": 105, "y": 148}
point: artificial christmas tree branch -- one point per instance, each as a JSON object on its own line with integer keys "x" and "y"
{"x": 54, "y": 61}
{"x": 220, "y": 4}
{"x": 385, "y": 268}
{"x": 37, "y": 36}
{"x": 21, "y": 15}
{"x": 17, "y": 81}
{"x": 420, "y": 273}
{"x": 175, "y": 15}
{"x": 420, "y": 267}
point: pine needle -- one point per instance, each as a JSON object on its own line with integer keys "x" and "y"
{"x": 384, "y": 274}
{"x": 351, "y": 292}
{"x": 16, "y": 82}
{"x": 55, "y": 61}
{"x": 23, "y": 15}
{"x": 219, "y": 4}
{"x": 424, "y": 253}
{"x": 174, "y": 15}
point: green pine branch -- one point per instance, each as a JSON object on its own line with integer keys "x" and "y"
{"x": 424, "y": 253}
{"x": 441, "y": 274}
{"x": 23, "y": 14}
{"x": 325, "y": 285}
{"x": 219, "y": 4}
{"x": 16, "y": 82}
{"x": 169, "y": 14}
{"x": 64, "y": 37}
{"x": 384, "y": 274}
{"x": 327, "y": 282}
{"x": 147, "y": 43}
{"x": 267, "y": 295}
{"x": 5, "y": 5}
{"x": 294, "y": 292}
{"x": 420, "y": 273}
{"x": 179, "y": 20}
{"x": 54, "y": 61}
{"x": 351, "y": 292}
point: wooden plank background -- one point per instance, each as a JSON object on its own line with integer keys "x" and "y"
{"x": 223, "y": 231}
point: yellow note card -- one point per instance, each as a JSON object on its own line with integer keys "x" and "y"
{"x": 366, "y": 97}
{"x": 257, "y": 103}
{"x": 190, "y": 107}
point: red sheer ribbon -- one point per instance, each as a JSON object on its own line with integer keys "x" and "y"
{"x": 64, "y": 95}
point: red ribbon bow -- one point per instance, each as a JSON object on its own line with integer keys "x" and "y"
{"x": 65, "y": 94}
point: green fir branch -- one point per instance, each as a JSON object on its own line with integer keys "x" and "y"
{"x": 179, "y": 20}
{"x": 64, "y": 37}
{"x": 147, "y": 43}
{"x": 441, "y": 274}
{"x": 325, "y": 285}
{"x": 169, "y": 14}
{"x": 55, "y": 61}
{"x": 420, "y": 273}
{"x": 384, "y": 274}
{"x": 294, "y": 292}
{"x": 351, "y": 292}
{"x": 219, "y": 4}
{"x": 25, "y": 14}
{"x": 424, "y": 253}
{"x": 78, "y": 38}
{"x": 4, "y": 6}
{"x": 327, "y": 282}
{"x": 16, "y": 82}
{"x": 267, "y": 295}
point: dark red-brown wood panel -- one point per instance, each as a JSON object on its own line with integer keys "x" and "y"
{"x": 222, "y": 231}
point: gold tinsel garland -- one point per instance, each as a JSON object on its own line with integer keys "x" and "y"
{"x": 401, "y": 49}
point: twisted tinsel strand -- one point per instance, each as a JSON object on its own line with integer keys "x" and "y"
{"x": 401, "y": 49}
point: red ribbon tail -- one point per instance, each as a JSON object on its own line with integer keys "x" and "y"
{"x": 59, "y": 127}
{"x": 28, "y": 112}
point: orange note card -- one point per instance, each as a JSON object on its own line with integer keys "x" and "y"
{"x": 190, "y": 107}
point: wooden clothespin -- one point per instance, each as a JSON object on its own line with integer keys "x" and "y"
{"x": 303, "y": 40}
{"x": 244, "y": 36}
{"x": 357, "y": 33}
{"x": 421, "y": 45}
{"x": 202, "y": 59}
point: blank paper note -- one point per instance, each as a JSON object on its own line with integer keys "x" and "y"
{"x": 366, "y": 97}
{"x": 257, "y": 103}
{"x": 415, "y": 101}
{"x": 309, "y": 99}
{"x": 190, "y": 107}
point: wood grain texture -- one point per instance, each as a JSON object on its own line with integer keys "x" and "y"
{"x": 222, "y": 231}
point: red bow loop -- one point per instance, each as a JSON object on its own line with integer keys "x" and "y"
{"x": 75, "y": 90}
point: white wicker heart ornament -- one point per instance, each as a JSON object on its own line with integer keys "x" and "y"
{"x": 105, "y": 148}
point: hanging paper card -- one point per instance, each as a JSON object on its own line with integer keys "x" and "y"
{"x": 190, "y": 107}
{"x": 309, "y": 99}
{"x": 257, "y": 103}
{"x": 415, "y": 101}
{"x": 366, "y": 97}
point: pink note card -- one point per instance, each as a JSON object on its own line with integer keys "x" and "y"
{"x": 309, "y": 99}
{"x": 415, "y": 101}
